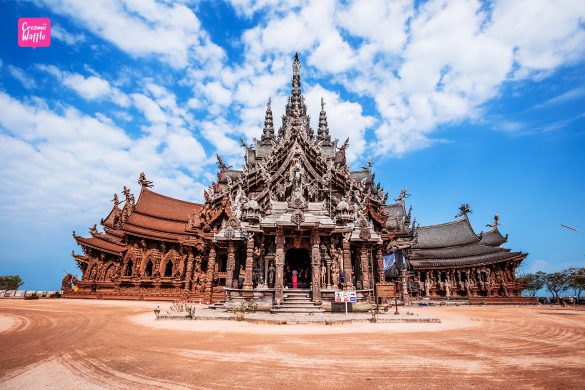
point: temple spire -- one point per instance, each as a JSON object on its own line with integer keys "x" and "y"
{"x": 268, "y": 131}
{"x": 323, "y": 131}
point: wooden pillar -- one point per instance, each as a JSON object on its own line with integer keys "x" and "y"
{"x": 249, "y": 262}
{"x": 328, "y": 267}
{"x": 347, "y": 265}
{"x": 316, "y": 263}
{"x": 231, "y": 264}
{"x": 189, "y": 273}
{"x": 405, "y": 295}
{"x": 210, "y": 273}
{"x": 380, "y": 260}
{"x": 364, "y": 266}
{"x": 279, "y": 265}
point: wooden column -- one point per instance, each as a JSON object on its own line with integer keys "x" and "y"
{"x": 364, "y": 266}
{"x": 347, "y": 265}
{"x": 405, "y": 294}
{"x": 210, "y": 273}
{"x": 328, "y": 265}
{"x": 231, "y": 264}
{"x": 380, "y": 259}
{"x": 249, "y": 262}
{"x": 189, "y": 273}
{"x": 279, "y": 265}
{"x": 316, "y": 263}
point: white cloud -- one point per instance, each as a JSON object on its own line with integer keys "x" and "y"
{"x": 59, "y": 33}
{"x": 65, "y": 166}
{"x": 543, "y": 34}
{"x": 90, "y": 88}
{"x": 143, "y": 28}
{"x": 345, "y": 119}
{"x": 149, "y": 108}
{"x": 20, "y": 75}
{"x": 218, "y": 133}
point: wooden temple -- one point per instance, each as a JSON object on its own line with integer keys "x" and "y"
{"x": 294, "y": 217}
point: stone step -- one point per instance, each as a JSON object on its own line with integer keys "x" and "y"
{"x": 296, "y": 310}
{"x": 296, "y": 304}
{"x": 295, "y": 294}
{"x": 297, "y": 299}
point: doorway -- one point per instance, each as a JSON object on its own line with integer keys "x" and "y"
{"x": 297, "y": 262}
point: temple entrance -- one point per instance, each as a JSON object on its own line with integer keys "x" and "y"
{"x": 297, "y": 268}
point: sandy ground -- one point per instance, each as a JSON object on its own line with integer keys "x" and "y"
{"x": 100, "y": 344}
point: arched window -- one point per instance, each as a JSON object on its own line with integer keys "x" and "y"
{"x": 169, "y": 269}
{"x": 129, "y": 268}
{"x": 148, "y": 269}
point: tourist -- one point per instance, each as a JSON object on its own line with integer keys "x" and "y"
{"x": 294, "y": 278}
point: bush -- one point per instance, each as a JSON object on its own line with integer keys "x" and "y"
{"x": 10, "y": 282}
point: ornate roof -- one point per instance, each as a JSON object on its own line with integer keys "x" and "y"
{"x": 455, "y": 244}
{"x": 164, "y": 207}
{"x": 297, "y": 163}
{"x": 493, "y": 237}
{"x": 445, "y": 235}
{"x": 159, "y": 217}
{"x": 101, "y": 244}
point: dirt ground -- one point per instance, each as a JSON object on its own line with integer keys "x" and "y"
{"x": 99, "y": 344}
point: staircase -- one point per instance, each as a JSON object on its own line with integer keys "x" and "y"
{"x": 297, "y": 301}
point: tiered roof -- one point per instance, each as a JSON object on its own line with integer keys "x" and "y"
{"x": 455, "y": 244}
{"x": 159, "y": 217}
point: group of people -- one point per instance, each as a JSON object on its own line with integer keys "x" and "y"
{"x": 297, "y": 278}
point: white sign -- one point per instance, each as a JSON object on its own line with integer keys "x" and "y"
{"x": 346, "y": 296}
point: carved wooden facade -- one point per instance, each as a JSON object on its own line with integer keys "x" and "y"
{"x": 295, "y": 215}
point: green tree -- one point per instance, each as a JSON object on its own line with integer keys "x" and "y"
{"x": 10, "y": 282}
{"x": 557, "y": 282}
{"x": 531, "y": 283}
{"x": 576, "y": 281}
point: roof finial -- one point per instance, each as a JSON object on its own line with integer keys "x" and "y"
{"x": 268, "y": 131}
{"x": 496, "y": 222}
{"x": 116, "y": 200}
{"x": 143, "y": 182}
{"x": 403, "y": 195}
{"x": 464, "y": 209}
{"x": 323, "y": 131}
{"x": 296, "y": 65}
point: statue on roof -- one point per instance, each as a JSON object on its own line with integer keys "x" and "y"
{"x": 403, "y": 195}
{"x": 143, "y": 182}
{"x": 116, "y": 200}
{"x": 464, "y": 209}
{"x": 93, "y": 230}
{"x": 370, "y": 164}
{"x": 496, "y": 222}
{"x": 129, "y": 196}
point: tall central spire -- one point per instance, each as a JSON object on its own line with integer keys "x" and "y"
{"x": 295, "y": 120}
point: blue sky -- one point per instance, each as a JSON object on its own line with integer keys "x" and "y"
{"x": 462, "y": 102}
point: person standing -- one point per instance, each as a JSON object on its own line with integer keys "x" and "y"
{"x": 295, "y": 277}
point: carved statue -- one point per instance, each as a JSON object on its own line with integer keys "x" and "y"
{"x": 496, "y": 222}
{"x": 143, "y": 182}
{"x": 66, "y": 283}
{"x": 116, "y": 200}
{"x": 464, "y": 209}
{"x": 271, "y": 271}
{"x": 323, "y": 274}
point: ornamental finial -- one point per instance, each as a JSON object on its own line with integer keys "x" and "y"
{"x": 496, "y": 222}
{"x": 403, "y": 195}
{"x": 143, "y": 182}
{"x": 296, "y": 65}
{"x": 464, "y": 209}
